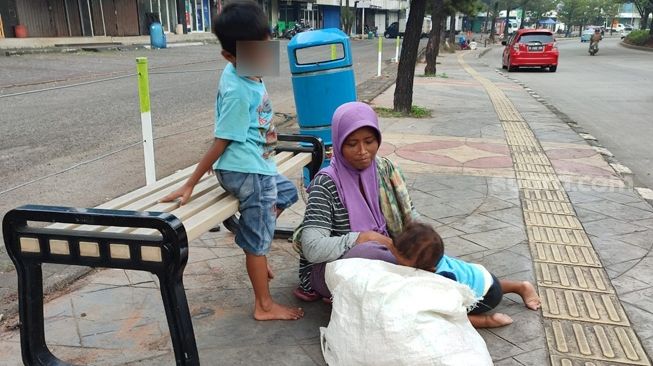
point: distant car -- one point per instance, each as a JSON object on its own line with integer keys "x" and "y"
{"x": 586, "y": 35}
{"x": 393, "y": 31}
{"x": 624, "y": 33}
{"x": 530, "y": 47}
{"x": 621, "y": 27}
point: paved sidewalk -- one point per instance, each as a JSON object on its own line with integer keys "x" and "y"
{"x": 505, "y": 182}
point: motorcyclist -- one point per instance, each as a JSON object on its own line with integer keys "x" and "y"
{"x": 596, "y": 37}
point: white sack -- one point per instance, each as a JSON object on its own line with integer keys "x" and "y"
{"x": 385, "y": 314}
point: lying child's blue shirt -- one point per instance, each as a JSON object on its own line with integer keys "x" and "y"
{"x": 473, "y": 275}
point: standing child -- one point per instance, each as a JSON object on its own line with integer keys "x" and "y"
{"x": 419, "y": 246}
{"x": 242, "y": 153}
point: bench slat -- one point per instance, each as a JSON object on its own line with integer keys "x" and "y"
{"x": 211, "y": 211}
{"x": 213, "y": 215}
{"x": 129, "y": 198}
{"x": 207, "y": 186}
{"x": 144, "y": 198}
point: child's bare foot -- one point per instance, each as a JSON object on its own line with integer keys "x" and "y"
{"x": 495, "y": 320}
{"x": 530, "y": 296}
{"x": 276, "y": 311}
{"x": 270, "y": 273}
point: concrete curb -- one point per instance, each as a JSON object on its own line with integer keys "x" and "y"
{"x": 48, "y": 42}
{"x": 102, "y": 47}
{"x": 487, "y": 49}
{"x": 633, "y": 47}
{"x": 372, "y": 88}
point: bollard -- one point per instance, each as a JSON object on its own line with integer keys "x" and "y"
{"x": 333, "y": 52}
{"x": 146, "y": 119}
{"x": 397, "y": 50}
{"x": 378, "y": 69}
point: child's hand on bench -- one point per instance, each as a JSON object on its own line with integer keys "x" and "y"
{"x": 182, "y": 194}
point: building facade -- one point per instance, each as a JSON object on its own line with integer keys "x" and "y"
{"x": 88, "y": 18}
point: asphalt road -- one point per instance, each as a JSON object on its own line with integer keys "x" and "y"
{"x": 609, "y": 95}
{"x": 96, "y": 122}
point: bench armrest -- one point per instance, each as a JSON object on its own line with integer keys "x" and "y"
{"x": 307, "y": 144}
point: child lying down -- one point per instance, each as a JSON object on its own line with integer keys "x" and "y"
{"x": 419, "y": 246}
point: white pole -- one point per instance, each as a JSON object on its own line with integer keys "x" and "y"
{"x": 197, "y": 19}
{"x": 203, "y": 20}
{"x": 397, "y": 50}
{"x": 363, "y": 23}
{"x": 90, "y": 17}
{"x": 168, "y": 16}
{"x": 378, "y": 68}
{"x": 104, "y": 26}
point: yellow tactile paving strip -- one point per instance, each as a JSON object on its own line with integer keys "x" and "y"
{"x": 584, "y": 321}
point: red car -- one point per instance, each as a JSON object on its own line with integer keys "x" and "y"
{"x": 530, "y": 47}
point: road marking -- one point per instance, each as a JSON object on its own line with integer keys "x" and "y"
{"x": 584, "y": 321}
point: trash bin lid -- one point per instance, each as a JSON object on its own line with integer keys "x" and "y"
{"x": 322, "y": 37}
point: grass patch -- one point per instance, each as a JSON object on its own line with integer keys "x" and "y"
{"x": 415, "y": 112}
{"x": 441, "y": 75}
{"x": 639, "y": 37}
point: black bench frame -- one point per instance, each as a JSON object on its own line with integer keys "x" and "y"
{"x": 174, "y": 256}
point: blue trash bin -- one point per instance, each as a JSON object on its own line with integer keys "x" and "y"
{"x": 157, "y": 36}
{"x": 322, "y": 79}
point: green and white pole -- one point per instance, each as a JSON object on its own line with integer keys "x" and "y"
{"x": 397, "y": 50}
{"x": 378, "y": 68}
{"x": 146, "y": 119}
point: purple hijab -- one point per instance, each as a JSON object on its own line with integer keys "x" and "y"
{"x": 363, "y": 208}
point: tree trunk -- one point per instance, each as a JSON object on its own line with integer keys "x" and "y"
{"x": 523, "y": 15}
{"x": 568, "y": 26}
{"x": 505, "y": 27}
{"x": 433, "y": 46}
{"x": 493, "y": 29}
{"x": 403, "y": 98}
{"x": 347, "y": 18}
{"x": 452, "y": 30}
{"x": 643, "y": 13}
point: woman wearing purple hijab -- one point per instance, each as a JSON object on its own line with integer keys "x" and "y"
{"x": 344, "y": 217}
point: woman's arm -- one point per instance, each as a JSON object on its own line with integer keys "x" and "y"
{"x": 318, "y": 244}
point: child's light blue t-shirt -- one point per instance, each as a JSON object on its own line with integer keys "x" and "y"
{"x": 470, "y": 274}
{"x": 243, "y": 115}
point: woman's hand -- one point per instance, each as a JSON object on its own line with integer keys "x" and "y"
{"x": 373, "y": 236}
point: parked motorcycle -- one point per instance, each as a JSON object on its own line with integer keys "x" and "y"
{"x": 374, "y": 30}
{"x": 297, "y": 28}
{"x": 288, "y": 33}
